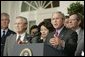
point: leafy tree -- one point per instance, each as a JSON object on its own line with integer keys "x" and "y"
{"x": 76, "y": 8}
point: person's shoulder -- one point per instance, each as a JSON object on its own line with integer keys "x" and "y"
{"x": 28, "y": 35}
{"x": 82, "y": 30}
{"x": 11, "y": 31}
{"x": 70, "y": 31}
{"x": 11, "y": 36}
{"x": 50, "y": 34}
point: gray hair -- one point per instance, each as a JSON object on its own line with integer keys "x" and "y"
{"x": 78, "y": 16}
{"x": 23, "y": 18}
{"x": 5, "y": 14}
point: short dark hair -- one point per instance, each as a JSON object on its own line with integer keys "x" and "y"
{"x": 66, "y": 17}
{"x": 33, "y": 27}
{"x": 47, "y": 24}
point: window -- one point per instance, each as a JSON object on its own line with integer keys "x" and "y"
{"x": 34, "y": 5}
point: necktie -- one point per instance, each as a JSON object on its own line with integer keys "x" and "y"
{"x": 18, "y": 40}
{"x": 56, "y": 34}
{"x": 2, "y": 42}
{"x": 3, "y": 36}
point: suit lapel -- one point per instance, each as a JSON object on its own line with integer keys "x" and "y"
{"x": 14, "y": 38}
{"x": 8, "y": 33}
{"x": 81, "y": 35}
{"x": 12, "y": 42}
{"x": 62, "y": 33}
{"x": 27, "y": 38}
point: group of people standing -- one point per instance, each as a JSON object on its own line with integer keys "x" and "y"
{"x": 68, "y": 40}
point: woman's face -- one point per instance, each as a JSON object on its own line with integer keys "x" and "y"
{"x": 33, "y": 31}
{"x": 44, "y": 31}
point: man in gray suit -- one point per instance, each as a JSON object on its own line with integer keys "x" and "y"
{"x": 75, "y": 22}
{"x": 21, "y": 37}
{"x": 63, "y": 40}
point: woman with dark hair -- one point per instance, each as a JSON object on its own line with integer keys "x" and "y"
{"x": 45, "y": 27}
{"x": 34, "y": 32}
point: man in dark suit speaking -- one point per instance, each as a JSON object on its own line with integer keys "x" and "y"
{"x": 5, "y": 31}
{"x": 62, "y": 39}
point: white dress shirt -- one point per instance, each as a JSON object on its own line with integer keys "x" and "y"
{"x": 3, "y": 30}
{"x": 59, "y": 30}
{"x": 78, "y": 30}
{"x": 43, "y": 39}
{"x": 22, "y": 36}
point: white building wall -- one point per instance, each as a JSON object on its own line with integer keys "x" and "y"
{"x": 14, "y": 9}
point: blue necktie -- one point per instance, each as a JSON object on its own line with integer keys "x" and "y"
{"x": 3, "y": 36}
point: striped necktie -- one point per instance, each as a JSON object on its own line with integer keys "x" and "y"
{"x": 18, "y": 40}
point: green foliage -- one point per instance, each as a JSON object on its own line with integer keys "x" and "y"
{"x": 76, "y": 8}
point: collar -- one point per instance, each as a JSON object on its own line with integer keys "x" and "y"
{"x": 43, "y": 39}
{"x": 59, "y": 30}
{"x": 22, "y": 36}
{"x": 4, "y": 30}
{"x": 78, "y": 30}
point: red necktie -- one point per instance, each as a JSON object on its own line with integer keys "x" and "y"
{"x": 56, "y": 34}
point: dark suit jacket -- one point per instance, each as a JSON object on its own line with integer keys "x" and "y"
{"x": 11, "y": 44}
{"x": 9, "y": 32}
{"x": 70, "y": 38}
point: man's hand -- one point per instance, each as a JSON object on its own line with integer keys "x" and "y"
{"x": 55, "y": 41}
